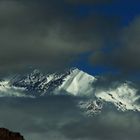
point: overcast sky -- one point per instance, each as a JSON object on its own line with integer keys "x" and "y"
{"x": 52, "y": 35}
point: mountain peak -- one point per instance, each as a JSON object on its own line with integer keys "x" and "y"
{"x": 36, "y": 72}
{"x": 73, "y": 81}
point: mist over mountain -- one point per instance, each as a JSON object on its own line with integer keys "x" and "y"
{"x": 76, "y": 84}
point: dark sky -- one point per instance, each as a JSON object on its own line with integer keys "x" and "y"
{"x": 99, "y": 37}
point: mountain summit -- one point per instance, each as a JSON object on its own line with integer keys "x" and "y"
{"x": 73, "y": 81}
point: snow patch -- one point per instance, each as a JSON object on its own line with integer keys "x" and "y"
{"x": 123, "y": 97}
{"x": 6, "y": 90}
{"x": 78, "y": 83}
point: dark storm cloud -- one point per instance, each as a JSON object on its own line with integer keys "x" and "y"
{"x": 108, "y": 126}
{"x": 46, "y": 34}
{"x": 125, "y": 56}
{"x": 89, "y": 1}
{"x": 38, "y": 118}
{"x": 58, "y": 118}
{"x": 131, "y": 46}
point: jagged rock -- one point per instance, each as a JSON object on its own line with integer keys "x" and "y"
{"x": 91, "y": 107}
{"x": 73, "y": 81}
{"x": 6, "y": 134}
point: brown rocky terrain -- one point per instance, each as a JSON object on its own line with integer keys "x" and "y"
{"x": 6, "y": 134}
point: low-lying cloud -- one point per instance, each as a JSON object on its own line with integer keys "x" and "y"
{"x": 53, "y": 118}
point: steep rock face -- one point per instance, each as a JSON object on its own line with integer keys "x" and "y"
{"x": 37, "y": 82}
{"x": 91, "y": 107}
{"x": 5, "y": 134}
{"x": 78, "y": 83}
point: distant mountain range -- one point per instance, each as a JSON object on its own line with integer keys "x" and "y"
{"x": 73, "y": 82}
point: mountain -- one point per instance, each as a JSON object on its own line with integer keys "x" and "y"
{"x": 72, "y": 82}
{"x": 124, "y": 97}
{"x": 6, "y": 134}
{"x": 91, "y": 107}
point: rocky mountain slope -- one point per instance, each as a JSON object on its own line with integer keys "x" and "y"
{"x": 73, "y": 81}
{"x": 6, "y": 134}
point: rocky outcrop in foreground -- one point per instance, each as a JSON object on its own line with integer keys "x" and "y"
{"x": 5, "y": 134}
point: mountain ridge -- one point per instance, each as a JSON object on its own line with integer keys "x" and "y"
{"x": 73, "y": 82}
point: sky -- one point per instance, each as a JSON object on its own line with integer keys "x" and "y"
{"x": 100, "y": 37}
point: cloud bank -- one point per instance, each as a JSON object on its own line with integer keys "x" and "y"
{"x": 124, "y": 57}
{"x": 55, "y": 118}
{"x": 47, "y": 34}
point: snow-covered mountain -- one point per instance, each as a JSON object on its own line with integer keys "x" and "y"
{"x": 72, "y": 82}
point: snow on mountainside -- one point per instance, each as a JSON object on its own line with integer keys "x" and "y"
{"x": 72, "y": 82}
{"x": 6, "y": 90}
{"x": 78, "y": 83}
{"x": 91, "y": 107}
{"x": 123, "y": 97}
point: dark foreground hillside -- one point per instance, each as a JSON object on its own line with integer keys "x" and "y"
{"x": 6, "y": 134}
